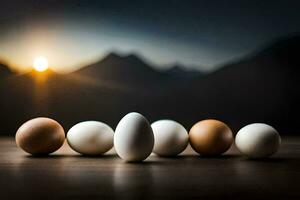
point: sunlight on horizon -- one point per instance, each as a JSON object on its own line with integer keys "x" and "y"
{"x": 70, "y": 47}
{"x": 40, "y": 64}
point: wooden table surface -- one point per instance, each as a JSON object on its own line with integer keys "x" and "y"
{"x": 67, "y": 175}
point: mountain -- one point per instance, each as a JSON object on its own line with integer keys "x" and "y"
{"x": 262, "y": 87}
{"x": 181, "y": 72}
{"x": 284, "y": 51}
{"x": 4, "y": 71}
{"x": 65, "y": 98}
{"x": 103, "y": 91}
{"x": 133, "y": 71}
{"x": 128, "y": 70}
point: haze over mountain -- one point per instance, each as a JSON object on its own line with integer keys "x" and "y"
{"x": 262, "y": 87}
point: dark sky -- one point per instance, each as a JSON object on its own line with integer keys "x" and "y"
{"x": 194, "y": 33}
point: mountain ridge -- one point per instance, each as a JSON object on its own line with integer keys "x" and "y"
{"x": 259, "y": 88}
{"x": 129, "y": 69}
{"x": 4, "y": 70}
{"x": 262, "y": 87}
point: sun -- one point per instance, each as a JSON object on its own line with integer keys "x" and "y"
{"x": 40, "y": 64}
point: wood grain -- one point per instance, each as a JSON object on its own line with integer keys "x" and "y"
{"x": 67, "y": 175}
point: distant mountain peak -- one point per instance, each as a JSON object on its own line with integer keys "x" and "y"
{"x": 137, "y": 59}
{"x": 288, "y": 41}
{"x": 177, "y": 67}
{"x": 126, "y": 69}
{"x": 129, "y": 58}
{"x": 132, "y": 56}
{"x": 116, "y": 60}
{"x": 4, "y": 70}
{"x": 111, "y": 56}
{"x": 180, "y": 71}
{"x": 284, "y": 49}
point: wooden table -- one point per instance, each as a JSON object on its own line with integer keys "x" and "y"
{"x": 67, "y": 175}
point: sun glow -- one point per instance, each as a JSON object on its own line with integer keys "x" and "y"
{"x": 40, "y": 64}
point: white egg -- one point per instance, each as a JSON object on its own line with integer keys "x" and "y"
{"x": 170, "y": 137}
{"x": 90, "y": 138}
{"x": 133, "y": 139}
{"x": 258, "y": 140}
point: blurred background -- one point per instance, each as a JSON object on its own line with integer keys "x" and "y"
{"x": 236, "y": 61}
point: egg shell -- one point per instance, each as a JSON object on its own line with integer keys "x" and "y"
{"x": 170, "y": 137}
{"x": 40, "y": 136}
{"x": 210, "y": 137}
{"x": 258, "y": 140}
{"x": 90, "y": 138}
{"x": 133, "y": 139}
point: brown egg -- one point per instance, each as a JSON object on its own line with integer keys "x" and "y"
{"x": 40, "y": 136}
{"x": 210, "y": 137}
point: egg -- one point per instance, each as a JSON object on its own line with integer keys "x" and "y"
{"x": 133, "y": 139}
{"x": 40, "y": 136}
{"x": 258, "y": 140}
{"x": 210, "y": 137}
{"x": 170, "y": 138}
{"x": 90, "y": 138}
